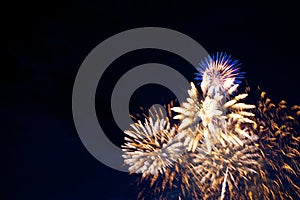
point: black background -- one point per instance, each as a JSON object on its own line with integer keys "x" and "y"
{"x": 45, "y": 43}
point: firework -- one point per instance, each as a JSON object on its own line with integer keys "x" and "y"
{"x": 150, "y": 148}
{"x": 220, "y": 118}
{"x": 221, "y": 148}
{"x": 218, "y": 74}
{"x": 240, "y": 165}
{"x": 279, "y": 138}
{"x": 227, "y": 144}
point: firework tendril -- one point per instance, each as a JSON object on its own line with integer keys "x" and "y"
{"x": 217, "y": 146}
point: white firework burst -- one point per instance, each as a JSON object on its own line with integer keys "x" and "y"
{"x": 150, "y": 147}
{"x": 218, "y": 117}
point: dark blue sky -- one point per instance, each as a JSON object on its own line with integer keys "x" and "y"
{"x": 45, "y": 44}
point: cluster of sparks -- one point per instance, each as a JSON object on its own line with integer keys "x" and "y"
{"x": 221, "y": 148}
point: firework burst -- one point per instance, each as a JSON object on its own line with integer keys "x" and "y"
{"x": 279, "y": 138}
{"x": 150, "y": 148}
{"x": 239, "y": 163}
{"x": 220, "y": 118}
{"x": 221, "y": 148}
{"x": 153, "y": 149}
{"x": 219, "y": 73}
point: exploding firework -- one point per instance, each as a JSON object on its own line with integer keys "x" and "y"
{"x": 155, "y": 144}
{"x": 227, "y": 144}
{"x": 220, "y": 117}
{"x": 221, "y": 148}
{"x": 219, "y": 73}
{"x": 150, "y": 148}
{"x": 239, "y": 163}
{"x": 279, "y": 138}
{"x": 153, "y": 149}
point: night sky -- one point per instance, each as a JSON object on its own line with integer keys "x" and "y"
{"x": 45, "y": 44}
